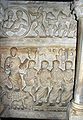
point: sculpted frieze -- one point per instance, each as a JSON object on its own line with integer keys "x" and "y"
{"x": 38, "y": 21}
{"x": 36, "y": 77}
{"x": 37, "y": 58}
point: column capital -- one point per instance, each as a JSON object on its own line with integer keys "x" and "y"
{"x": 78, "y": 8}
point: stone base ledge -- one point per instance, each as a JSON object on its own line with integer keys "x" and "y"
{"x": 10, "y": 113}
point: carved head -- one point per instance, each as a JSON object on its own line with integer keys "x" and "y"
{"x": 1, "y": 9}
{"x": 62, "y": 52}
{"x": 31, "y": 64}
{"x": 19, "y": 14}
{"x": 70, "y": 52}
{"x": 10, "y": 14}
{"x": 68, "y": 64}
{"x": 56, "y": 63}
{"x": 40, "y": 9}
{"x": 32, "y": 53}
{"x": 44, "y": 64}
{"x": 13, "y": 51}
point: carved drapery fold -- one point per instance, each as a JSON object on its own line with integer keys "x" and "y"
{"x": 37, "y": 58}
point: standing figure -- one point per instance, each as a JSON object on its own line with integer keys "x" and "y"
{"x": 39, "y": 20}
{"x": 68, "y": 83}
{"x": 31, "y": 79}
{"x": 11, "y": 65}
{"x": 57, "y": 77}
{"x": 45, "y": 79}
{"x": 51, "y": 23}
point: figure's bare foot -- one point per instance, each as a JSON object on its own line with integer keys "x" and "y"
{"x": 58, "y": 100}
{"x": 52, "y": 104}
{"x": 39, "y": 103}
{"x": 16, "y": 89}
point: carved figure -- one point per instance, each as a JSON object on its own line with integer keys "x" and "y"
{"x": 57, "y": 77}
{"x": 4, "y": 81}
{"x": 62, "y": 58}
{"x": 68, "y": 83}
{"x": 11, "y": 65}
{"x": 9, "y": 22}
{"x": 51, "y": 24}
{"x": 31, "y": 79}
{"x": 45, "y": 79}
{"x": 62, "y": 30}
{"x": 1, "y": 18}
{"x": 18, "y": 27}
{"x": 32, "y": 53}
{"x": 1, "y": 13}
{"x": 7, "y": 25}
{"x": 72, "y": 27}
{"x": 62, "y": 15}
{"x": 1, "y": 103}
{"x": 19, "y": 22}
{"x": 17, "y": 99}
{"x": 39, "y": 20}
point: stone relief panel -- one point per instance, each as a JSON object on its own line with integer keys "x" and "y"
{"x": 39, "y": 78}
{"x": 38, "y": 21}
{"x": 37, "y": 58}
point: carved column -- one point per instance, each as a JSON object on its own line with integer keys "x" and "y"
{"x": 76, "y": 109}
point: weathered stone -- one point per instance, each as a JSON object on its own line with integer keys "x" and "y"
{"x": 37, "y": 59}
{"x": 76, "y": 109}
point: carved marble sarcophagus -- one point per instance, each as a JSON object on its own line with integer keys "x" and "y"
{"x": 37, "y": 59}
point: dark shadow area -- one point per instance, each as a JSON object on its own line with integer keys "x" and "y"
{"x": 24, "y": 119}
{"x": 76, "y": 59}
{"x": 45, "y": 0}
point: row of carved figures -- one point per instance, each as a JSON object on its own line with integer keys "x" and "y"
{"x": 47, "y": 24}
{"x": 55, "y": 86}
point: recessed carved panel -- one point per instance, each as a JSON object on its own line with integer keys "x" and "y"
{"x": 37, "y": 59}
{"x": 41, "y": 77}
{"x": 38, "y": 21}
